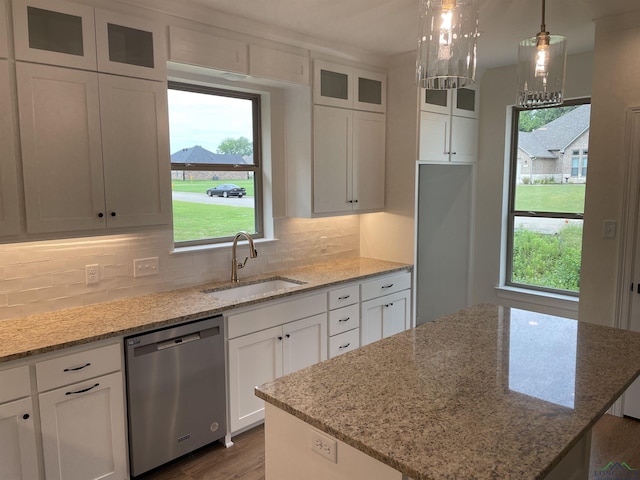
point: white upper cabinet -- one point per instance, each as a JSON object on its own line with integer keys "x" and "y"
{"x": 61, "y": 148}
{"x": 279, "y": 64}
{"x": 135, "y": 144}
{"x": 448, "y": 125}
{"x": 9, "y": 218}
{"x": 55, "y": 32}
{"x": 462, "y": 102}
{"x": 4, "y": 51}
{"x": 347, "y": 87}
{"x": 130, "y": 46}
{"x": 208, "y": 50}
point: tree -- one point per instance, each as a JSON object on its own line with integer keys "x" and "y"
{"x": 238, "y": 146}
{"x": 531, "y": 120}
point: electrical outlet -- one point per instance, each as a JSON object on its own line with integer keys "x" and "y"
{"x": 323, "y": 243}
{"x": 609, "y": 229}
{"x": 92, "y": 273}
{"x": 143, "y": 267}
{"x": 325, "y": 446}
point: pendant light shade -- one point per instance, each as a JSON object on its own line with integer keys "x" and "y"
{"x": 447, "y": 40}
{"x": 541, "y": 69}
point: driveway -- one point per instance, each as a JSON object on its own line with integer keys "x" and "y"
{"x": 204, "y": 198}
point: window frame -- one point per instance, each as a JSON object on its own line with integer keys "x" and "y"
{"x": 256, "y": 168}
{"x": 512, "y": 213}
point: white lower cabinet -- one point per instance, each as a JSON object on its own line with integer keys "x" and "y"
{"x": 385, "y": 316}
{"x": 18, "y": 441}
{"x": 264, "y": 355}
{"x": 78, "y": 430}
{"x": 83, "y": 432}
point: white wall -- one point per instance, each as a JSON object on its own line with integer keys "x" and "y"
{"x": 497, "y": 93}
{"x": 615, "y": 89}
{"x": 390, "y": 235}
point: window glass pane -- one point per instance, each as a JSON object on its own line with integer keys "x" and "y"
{"x": 547, "y": 252}
{"x": 548, "y": 173}
{"x": 214, "y": 174}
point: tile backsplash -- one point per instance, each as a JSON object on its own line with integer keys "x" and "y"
{"x": 37, "y": 277}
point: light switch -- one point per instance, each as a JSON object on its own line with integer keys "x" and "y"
{"x": 609, "y": 229}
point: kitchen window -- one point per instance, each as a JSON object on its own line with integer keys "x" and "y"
{"x": 548, "y": 175}
{"x": 216, "y": 176}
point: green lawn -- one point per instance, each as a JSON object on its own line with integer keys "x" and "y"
{"x": 551, "y": 198}
{"x": 203, "y": 185}
{"x": 194, "y": 221}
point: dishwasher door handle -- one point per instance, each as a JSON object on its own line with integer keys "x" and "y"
{"x": 176, "y": 342}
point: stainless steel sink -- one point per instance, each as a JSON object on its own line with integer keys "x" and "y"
{"x": 268, "y": 286}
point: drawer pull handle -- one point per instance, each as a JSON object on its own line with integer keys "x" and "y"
{"x": 345, "y": 345}
{"x": 75, "y": 369}
{"x": 83, "y": 390}
{"x": 344, "y": 297}
{"x": 387, "y": 286}
{"x": 344, "y": 319}
{"x": 387, "y": 305}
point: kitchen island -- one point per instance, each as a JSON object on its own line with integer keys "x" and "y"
{"x": 489, "y": 392}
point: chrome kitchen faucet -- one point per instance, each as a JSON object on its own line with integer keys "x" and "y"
{"x": 235, "y": 266}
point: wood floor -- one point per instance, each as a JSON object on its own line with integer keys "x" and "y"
{"x": 614, "y": 439}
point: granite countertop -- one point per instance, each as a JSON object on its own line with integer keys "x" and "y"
{"x": 41, "y": 333}
{"x": 489, "y": 392}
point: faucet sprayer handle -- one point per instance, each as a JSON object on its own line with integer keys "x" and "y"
{"x": 241, "y": 265}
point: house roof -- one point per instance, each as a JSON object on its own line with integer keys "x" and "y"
{"x": 557, "y": 135}
{"x": 198, "y": 155}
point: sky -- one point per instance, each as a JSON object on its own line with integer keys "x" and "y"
{"x": 206, "y": 120}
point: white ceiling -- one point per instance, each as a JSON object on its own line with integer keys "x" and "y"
{"x": 389, "y": 27}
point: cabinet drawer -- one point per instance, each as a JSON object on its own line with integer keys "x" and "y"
{"x": 77, "y": 367}
{"x": 342, "y": 297}
{"x": 272, "y": 315}
{"x": 343, "y": 343}
{"x": 343, "y": 319}
{"x": 385, "y": 285}
{"x": 15, "y": 384}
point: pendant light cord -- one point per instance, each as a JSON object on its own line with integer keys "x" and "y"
{"x": 543, "y": 27}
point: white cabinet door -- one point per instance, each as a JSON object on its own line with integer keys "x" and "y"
{"x": 253, "y": 360}
{"x": 130, "y": 46}
{"x": 55, "y": 32}
{"x": 368, "y": 160}
{"x": 464, "y": 139}
{"x": 304, "y": 344}
{"x": 18, "y": 460}
{"x": 435, "y": 131}
{"x": 83, "y": 430}
{"x": 9, "y": 218}
{"x": 332, "y": 159}
{"x": 61, "y": 148}
{"x": 385, "y": 316}
{"x": 135, "y": 150}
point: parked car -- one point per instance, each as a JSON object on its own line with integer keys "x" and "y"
{"x": 227, "y": 190}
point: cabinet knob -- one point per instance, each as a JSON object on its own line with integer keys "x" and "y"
{"x": 279, "y": 337}
{"x": 26, "y": 416}
{"x": 288, "y": 335}
{"x": 100, "y": 215}
{"x": 113, "y": 214}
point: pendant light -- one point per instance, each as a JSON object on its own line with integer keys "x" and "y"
{"x": 541, "y": 69}
{"x": 447, "y": 40}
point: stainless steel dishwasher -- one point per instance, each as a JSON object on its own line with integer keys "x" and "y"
{"x": 175, "y": 391}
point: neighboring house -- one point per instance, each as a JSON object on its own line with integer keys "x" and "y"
{"x": 556, "y": 152}
{"x": 201, "y": 156}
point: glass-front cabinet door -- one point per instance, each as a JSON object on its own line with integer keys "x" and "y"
{"x": 130, "y": 46}
{"x": 55, "y": 32}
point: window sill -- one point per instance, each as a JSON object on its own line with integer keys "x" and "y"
{"x": 218, "y": 246}
{"x": 563, "y": 303}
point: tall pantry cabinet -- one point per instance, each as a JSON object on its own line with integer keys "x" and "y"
{"x": 445, "y": 189}
{"x": 93, "y": 117}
